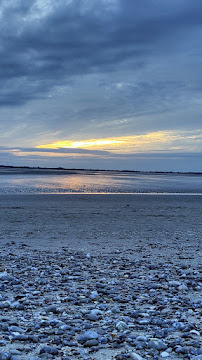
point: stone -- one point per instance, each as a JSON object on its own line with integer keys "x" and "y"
{"x": 135, "y": 356}
{"x": 88, "y": 335}
{"x": 4, "y": 276}
{"x": 157, "y": 345}
{"x": 20, "y": 337}
{"x": 90, "y": 343}
{"x": 130, "y": 305}
{"x": 49, "y": 350}
{"x": 141, "y": 338}
{"x": 121, "y": 325}
{"x": 164, "y": 354}
{"x": 94, "y": 315}
{"x": 195, "y": 332}
{"x": 5, "y": 356}
{"x": 51, "y": 308}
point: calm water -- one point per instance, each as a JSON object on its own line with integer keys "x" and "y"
{"x": 100, "y": 182}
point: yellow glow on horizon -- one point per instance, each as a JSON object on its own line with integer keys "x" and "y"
{"x": 153, "y": 141}
{"x": 108, "y": 147}
{"x": 82, "y": 144}
{"x": 124, "y": 144}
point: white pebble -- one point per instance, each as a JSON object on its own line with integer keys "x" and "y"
{"x": 165, "y": 354}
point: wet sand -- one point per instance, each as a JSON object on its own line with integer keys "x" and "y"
{"x": 158, "y": 226}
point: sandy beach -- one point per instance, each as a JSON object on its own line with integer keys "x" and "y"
{"x": 121, "y": 272}
{"x": 157, "y": 226}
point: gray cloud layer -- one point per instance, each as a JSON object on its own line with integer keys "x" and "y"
{"x": 87, "y": 68}
{"x": 56, "y": 151}
{"x": 82, "y": 37}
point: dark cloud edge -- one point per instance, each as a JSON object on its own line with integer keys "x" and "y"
{"x": 153, "y": 154}
{"x": 56, "y": 151}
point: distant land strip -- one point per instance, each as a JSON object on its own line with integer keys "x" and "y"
{"x": 9, "y": 169}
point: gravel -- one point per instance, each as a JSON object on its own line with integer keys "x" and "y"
{"x": 68, "y": 304}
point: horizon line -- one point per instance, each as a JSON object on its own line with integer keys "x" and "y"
{"x": 92, "y": 169}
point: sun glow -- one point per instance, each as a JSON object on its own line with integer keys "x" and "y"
{"x": 108, "y": 148}
{"x": 153, "y": 141}
{"x": 131, "y": 143}
{"x": 82, "y": 144}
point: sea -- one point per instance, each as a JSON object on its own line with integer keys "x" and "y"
{"x": 90, "y": 182}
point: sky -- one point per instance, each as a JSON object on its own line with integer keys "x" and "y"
{"x": 101, "y": 84}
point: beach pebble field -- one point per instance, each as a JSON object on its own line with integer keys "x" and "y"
{"x": 67, "y": 304}
{"x": 100, "y": 277}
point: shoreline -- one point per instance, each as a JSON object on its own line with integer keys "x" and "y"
{"x": 104, "y": 193}
{"x": 60, "y": 171}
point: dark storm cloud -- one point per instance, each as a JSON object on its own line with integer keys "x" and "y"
{"x": 38, "y": 52}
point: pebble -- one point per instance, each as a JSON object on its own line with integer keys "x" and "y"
{"x": 49, "y": 349}
{"x": 157, "y": 344}
{"x": 135, "y": 356}
{"x": 5, "y": 356}
{"x": 90, "y": 343}
{"x": 165, "y": 354}
{"x": 195, "y": 332}
{"x": 94, "y": 315}
{"x": 68, "y": 305}
{"x": 88, "y": 335}
{"x": 121, "y": 325}
{"x": 141, "y": 338}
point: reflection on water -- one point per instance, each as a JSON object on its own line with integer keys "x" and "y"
{"x": 101, "y": 182}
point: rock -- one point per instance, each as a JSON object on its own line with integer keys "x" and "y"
{"x": 4, "y": 276}
{"x": 164, "y": 354}
{"x": 4, "y": 305}
{"x": 108, "y": 303}
{"x": 183, "y": 288}
{"x": 195, "y": 332}
{"x": 157, "y": 345}
{"x": 115, "y": 310}
{"x": 103, "y": 340}
{"x": 90, "y": 343}
{"x": 135, "y": 356}
{"x": 94, "y": 295}
{"x": 174, "y": 283}
{"x": 20, "y": 337}
{"x": 94, "y": 315}
{"x": 141, "y": 338}
{"x": 51, "y": 308}
{"x": 180, "y": 350}
{"x": 49, "y": 350}
{"x": 16, "y": 329}
{"x": 5, "y": 356}
{"x": 88, "y": 335}
{"x": 15, "y": 352}
{"x": 121, "y": 325}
